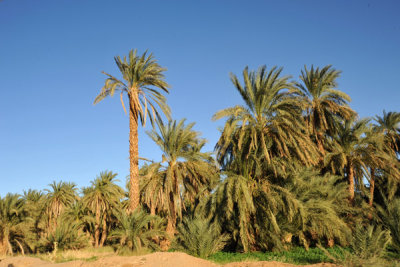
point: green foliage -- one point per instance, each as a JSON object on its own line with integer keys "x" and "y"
{"x": 317, "y": 195}
{"x": 369, "y": 242}
{"x": 295, "y": 256}
{"x": 199, "y": 237}
{"x": 12, "y": 216}
{"x": 67, "y": 235}
{"x": 138, "y": 230}
{"x": 391, "y": 219}
{"x": 269, "y": 125}
{"x": 189, "y": 174}
{"x": 140, "y": 75}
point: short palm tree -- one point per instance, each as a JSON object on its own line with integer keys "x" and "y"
{"x": 134, "y": 230}
{"x": 318, "y": 195}
{"x": 101, "y": 198}
{"x": 200, "y": 238}
{"x": 188, "y": 172}
{"x": 324, "y": 104}
{"x": 353, "y": 150}
{"x": 60, "y": 196}
{"x": 12, "y": 216}
{"x": 141, "y": 77}
{"x": 269, "y": 124}
{"x": 36, "y": 226}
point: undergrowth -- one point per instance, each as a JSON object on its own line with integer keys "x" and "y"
{"x": 295, "y": 256}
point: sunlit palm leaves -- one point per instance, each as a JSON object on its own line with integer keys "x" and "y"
{"x": 354, "y": 150}
{"x": 12, "y": 216}
{"x": 324, "y": 104}
{"x": 101, "y": 198}
{"x": 59, "y": 196}
{"x": 269, "y": 124}
{"x": 188, "y": 171}
{"x": 199, "y": 238}
{"x": 134, "y": 230}
{"x": 139, "y": 75}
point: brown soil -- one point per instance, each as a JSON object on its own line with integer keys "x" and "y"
{"x": 158, "y": 259}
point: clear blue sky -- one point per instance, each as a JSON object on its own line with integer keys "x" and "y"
{"x": 52, "y": 54}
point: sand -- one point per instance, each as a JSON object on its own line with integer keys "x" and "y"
{"x": 158, "y": 259}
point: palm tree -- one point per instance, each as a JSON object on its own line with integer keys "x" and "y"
{"x": 354, "y": 150}
{"x": 12, "y": 215}
{"x": 134, "y": 230}
{"x": 200, "y": 238}
{"x": 141, "y": 75}
{"x": 188, "y": 173}
{"x": 389, "y": 124}
{"x": 101, "y": 198}
{"x": 324, "y": 104}
{"x": 60, "y": 196}
{"x": 318, "y": 195}
{"x": 389, "y": 127}
{"x": 269, "y": 124}
{"x": 35, "y": 227}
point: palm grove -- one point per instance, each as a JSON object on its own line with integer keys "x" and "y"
{"x": 294, "y": 166}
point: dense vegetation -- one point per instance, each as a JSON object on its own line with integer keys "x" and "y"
{"x": 294, "y": 167}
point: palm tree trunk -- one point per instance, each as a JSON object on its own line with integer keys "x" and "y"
{"x": 20, "y": 247}
{"x": 134, "y": 158}
{"x": 104, "y": 232}
{"x": 320, "y": 145}
{"x": 97, "y": 226}
{"x": 371, "y": 187}
{"x": 171, "y": 218}
{"x": 350, "y": 176}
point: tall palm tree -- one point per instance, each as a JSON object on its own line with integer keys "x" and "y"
{"x": 324, "y": 104}
{"x": 60, "y": 196}
{"x": 141, "y": 76}
{"x": 269, "y": 124}
{"x": 188, "y": 171}
{"x": 101, "y": 197}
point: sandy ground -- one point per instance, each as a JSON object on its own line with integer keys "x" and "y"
{"x": 158, "y": 259}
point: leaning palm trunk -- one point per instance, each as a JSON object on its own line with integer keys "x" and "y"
{"x": 134, "y": 158}
{"x": 104, "y": 232}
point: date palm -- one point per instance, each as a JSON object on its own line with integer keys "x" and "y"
{"x": 354, "y": 150}
{"x": 60, "y": 196}
{"x": 269, "y": 124}
{"x": 101, "y": 198}
{"x": 324, "y": 104}
{"x": 389, "y": 125}
{"x": 134, "y": 230}
{"x": 188, "y": 171}
{"x": 141, "y": 77}
{"x": 36, "y": 226}
{"x": 12, "y": 215}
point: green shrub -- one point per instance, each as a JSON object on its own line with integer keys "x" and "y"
{"x": 199, "y": 238}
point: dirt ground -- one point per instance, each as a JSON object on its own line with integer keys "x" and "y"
{"x": 158, "y": 259}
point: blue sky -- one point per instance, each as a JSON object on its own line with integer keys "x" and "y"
{"x": 52, "y": 54}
